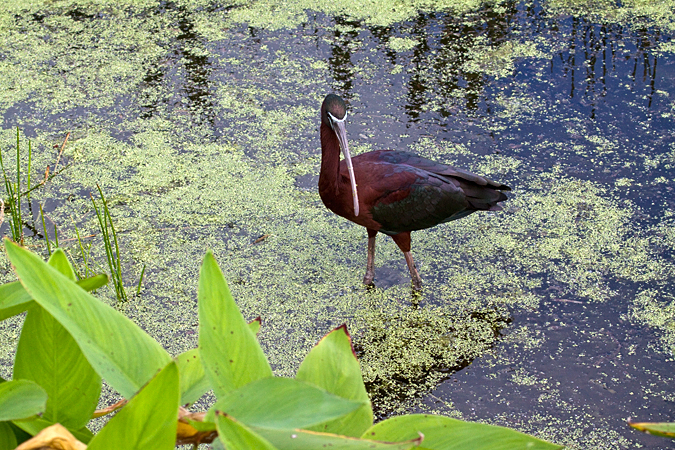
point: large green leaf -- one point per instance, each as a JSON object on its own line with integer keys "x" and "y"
{"x": 21, "y": 436}
{"x": 7, "y": 437}
{"x": 20, "y": 399}
{"x": 48, "y": 355}
{"x": 229, "y": 349}
{"x": 94, "y": 282}
{"x": 255, "y": 324}
{"x": 444, "y": 433}
{"x": 193, "y": 381}
{"x": 237, "y": 436}
{"x": 664, "y": 429}
{"x": 332, "y": 365}
{"x": 14, "y": 299}
{"x": 60, "y": 262}
{"x": 35, "y": 425}
{"x": 282, "y": 403}
{"x": 148, "y": 421}
{"x": 120, "y": 352}
{"x": 312, "y": 440}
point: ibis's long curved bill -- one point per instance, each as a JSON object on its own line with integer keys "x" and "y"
{"x": 341, "y": 132}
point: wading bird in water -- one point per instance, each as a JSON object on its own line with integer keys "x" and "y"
{"x": 394, "y": 192}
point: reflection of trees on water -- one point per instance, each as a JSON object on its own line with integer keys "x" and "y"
{"x": 438, "y": 78}
{"x": 195, "y": 82}
{"x": 457, "y": 40}
{"x": 340, "y": 61}
{"x": 593, "y": 52}
{"x": 435, "y": 69}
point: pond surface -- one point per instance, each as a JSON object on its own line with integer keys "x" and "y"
{"x": 199, "y": 120}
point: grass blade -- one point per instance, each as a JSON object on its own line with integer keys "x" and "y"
{"x": 44, "y": 229}
{"x": 114, "y": 261}
{"x": 138, "y": 291}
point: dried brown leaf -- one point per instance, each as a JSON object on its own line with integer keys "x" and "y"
{"x": 56, "y": 437}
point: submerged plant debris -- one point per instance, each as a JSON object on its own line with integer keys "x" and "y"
{"x": 199, "y": 120}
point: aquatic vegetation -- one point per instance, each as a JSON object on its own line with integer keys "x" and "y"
{"x": 13, "y": 192}
{"x": 201, "y": 131}
{"x": 406, "y": 352}
{"x": 113, "y": 254}
{"x": 325, "y": 405}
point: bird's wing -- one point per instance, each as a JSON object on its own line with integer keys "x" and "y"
{"x": 408, "y": 199}
{"x": 410, "y": 193}
{"x": 413, "y": 160}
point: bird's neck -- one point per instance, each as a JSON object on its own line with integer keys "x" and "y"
{"x": 329, "y": 178}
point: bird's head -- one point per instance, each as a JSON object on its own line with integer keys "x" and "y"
{"x": 334, "y": 115}
{"x": 333, "y": 110}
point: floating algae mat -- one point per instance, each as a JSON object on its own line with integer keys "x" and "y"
{"x": 199, "y": 120}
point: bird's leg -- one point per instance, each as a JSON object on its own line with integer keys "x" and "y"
{"x": 414, "y": 274}
{"x": 403, "y": 242}
{"x": 370, "y": 265}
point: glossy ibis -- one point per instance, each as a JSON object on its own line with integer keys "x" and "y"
{"x": 398, "y": 192}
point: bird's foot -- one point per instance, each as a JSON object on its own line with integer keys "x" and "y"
{"x": 417, "y": 284}
{"x": 368, "y": 280}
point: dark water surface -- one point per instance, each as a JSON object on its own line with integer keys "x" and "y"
{"x": 203, "y": 131}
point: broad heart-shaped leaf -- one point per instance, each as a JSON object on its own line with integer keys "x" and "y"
{"x": 120, "y": 352}
{"x": 193, "y": 381}
{"x": 48, "y": 355}
{"x": 311, "y": 440}
{"x": 7, "y": 437}
{"x": 282, "y": 403}
{"x": 444, "y": 433}
{"x": 148, "y": 421}
{"x": 664, "y": 429}
{"x": 20, "y": 399}
{"x": 237, "y": 436}
{"x": 229, "y": 349}
{"x": 332, "y": 365}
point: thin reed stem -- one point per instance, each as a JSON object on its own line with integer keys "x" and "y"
{"x": 138, "y": 291}
{"x": 79, "y": 242}
{"x": 44, "y": 229}
{"x": 114, "y": 260}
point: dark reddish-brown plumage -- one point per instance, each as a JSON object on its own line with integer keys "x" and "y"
{"x": 394, "y": 192}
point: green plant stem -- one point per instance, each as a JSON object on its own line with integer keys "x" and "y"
{"x": 79, "y": 242}
{"x": 30, "y": 158}
{"x": 138, "y": 291}
{"x": 114, "y": 261}
{"x": 44, "y": 229}
{"x": 44, "y": 181}
{"x": 13, "y": 200}
{"x": 18, "y": 187}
